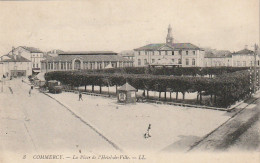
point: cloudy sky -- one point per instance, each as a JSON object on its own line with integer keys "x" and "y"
{"x": 127, "y": 24}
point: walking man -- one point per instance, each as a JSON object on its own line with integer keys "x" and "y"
{"x": 147, "y": 134}
{"x": 80, "y": 96}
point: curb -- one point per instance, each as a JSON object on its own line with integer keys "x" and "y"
{"x": 228, "y": 120}
{"x": 87, "y": 123}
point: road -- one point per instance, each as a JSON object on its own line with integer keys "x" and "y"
{"x": 37, "y": 123}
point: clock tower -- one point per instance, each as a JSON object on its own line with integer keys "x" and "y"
{"x": 169, "y": 38}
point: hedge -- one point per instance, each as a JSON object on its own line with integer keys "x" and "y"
{"x": 175, "y": 71}
{"x": 226, "y": 88}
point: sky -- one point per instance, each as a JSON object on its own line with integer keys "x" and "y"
{"x": 118, "y": 25}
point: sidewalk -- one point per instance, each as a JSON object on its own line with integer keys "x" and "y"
{"x": 125, "y": 125}
{"x": 226, "y": 135}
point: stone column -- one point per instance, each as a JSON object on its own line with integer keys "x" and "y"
{"x": 96, "y": 65}
{"x": 59, "y": 65}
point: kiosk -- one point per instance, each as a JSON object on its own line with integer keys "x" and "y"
{"x": 126, "y": 94}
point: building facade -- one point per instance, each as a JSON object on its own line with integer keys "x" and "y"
{"x": 217, "y": 58}
{"x": 242, "y": 58}
{"x": 68, "y": 61}
{"x": 30, "y": 53}
{"x": 180, "y": 54}
{"x": 16, "y": 66}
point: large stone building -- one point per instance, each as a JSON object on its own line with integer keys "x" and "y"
{"x": 244, "y": 58}
{"x": 67, "y": 61}
{"x": 220, "y": 58}
{"x": 33, "y": 54}
{"x": 217, "y": 58}
{"x": 178, "y": 54}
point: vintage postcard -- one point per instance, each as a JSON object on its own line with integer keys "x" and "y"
{"x": 129, "y": 81}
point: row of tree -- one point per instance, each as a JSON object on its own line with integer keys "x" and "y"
{"x": 175, "y": 71}
{"x": 222, "y": 90}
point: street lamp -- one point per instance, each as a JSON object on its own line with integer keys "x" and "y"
{"x": 255, "y": 53}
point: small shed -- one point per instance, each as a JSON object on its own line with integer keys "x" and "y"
{"x": 126, "y": 94}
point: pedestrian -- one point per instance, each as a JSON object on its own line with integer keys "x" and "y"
{"x": 80, "y": 96}
{"x": 30, "y": 91}
{"x": 147, "y": 134}
{"x": 31, "y": 86}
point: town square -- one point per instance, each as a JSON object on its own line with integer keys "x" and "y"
{"x": 129, "y": 81}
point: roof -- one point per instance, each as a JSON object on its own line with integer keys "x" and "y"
{"x": 151, "y": 46}
{"x": 218, "y": 54}
{"x": 177, "y": 46}
{"x": 18, "y": 59}
{"x": 89, "y": 53}
{"x": 31, "y": 49}
{"x": 56, "y": 51}
{"x": 126, "y": 87}
{"x": 127, "y": 53}
{"x": 185, "y": 46}
{"x": 244, "y": 51}
{"x": 89, "y": 58}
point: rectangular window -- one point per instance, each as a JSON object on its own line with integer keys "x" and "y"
{"x": 194, "y": 52}
{"x": 139, "y": 53}
{"x": 172, "y": 52}
{"x": 166, "y": 52}
{"x": 180, "y": 52}
{"x": 179, "y": 61}
{"x": 139, "y": 62}
{"x": 163, "y": 52}
{"x": 193, "y": 62}
{"x": 153, "y": 60}
{"x": 173, "y": 60}
{"x": 145, "y": 61}
{"x": 36, "y": 65}
{"x": 187, "y": 52}
{"x": 244, "y": 63}
{"x": 153, "y": 52}
{"x": 160, "y": 53}
{"x": 187, "y": 61}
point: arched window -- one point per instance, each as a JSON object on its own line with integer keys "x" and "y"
{"x": 77, "y": 65}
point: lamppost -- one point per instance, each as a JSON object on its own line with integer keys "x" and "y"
{"x": 255, "y": 53}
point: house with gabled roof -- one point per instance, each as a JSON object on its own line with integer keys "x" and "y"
{"x": 242, "y": 58}
{"x": 245, "y": 58}
{"x": 217, "y": 58}
{"x": 15, "y": 66}
{"x": 181, "y": 54}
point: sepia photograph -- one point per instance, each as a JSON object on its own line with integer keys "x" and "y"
{"x": 149, "y": 81}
